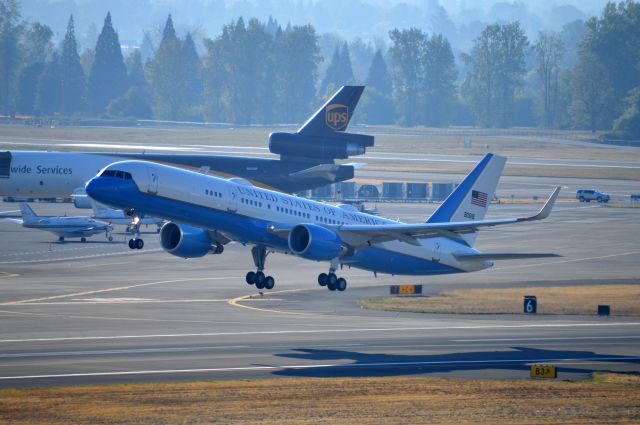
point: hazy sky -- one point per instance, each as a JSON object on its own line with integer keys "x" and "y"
{"x": 366, "y": 19}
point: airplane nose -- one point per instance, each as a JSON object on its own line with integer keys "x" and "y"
{"x": 95, "y": 188}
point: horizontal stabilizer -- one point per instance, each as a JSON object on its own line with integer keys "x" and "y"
{"x": 503, "y": 256}
{"x": 322, "y": 171}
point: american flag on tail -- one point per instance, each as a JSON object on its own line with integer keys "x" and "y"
{"x": 479, "y": 198}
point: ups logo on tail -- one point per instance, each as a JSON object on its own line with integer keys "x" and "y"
{"x": 337, "y": 116}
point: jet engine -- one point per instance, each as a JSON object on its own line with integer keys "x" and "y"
{"x": 185, "y": 241}
{"x": 315, "y": 242}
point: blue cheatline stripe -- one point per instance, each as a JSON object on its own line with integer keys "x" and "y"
{"x": 444, "y": 213}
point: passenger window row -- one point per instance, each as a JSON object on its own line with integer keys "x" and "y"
{"x": 328, "y": 220}
{"x": 213, "y": 193}
{"x": 291, "y": 211}
{"x": 252, "y": 202}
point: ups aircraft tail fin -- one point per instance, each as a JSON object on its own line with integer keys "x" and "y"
{"x": 335, "y": 114}
{"x": 28, "y": 215}
{"x": 470, "y": 200}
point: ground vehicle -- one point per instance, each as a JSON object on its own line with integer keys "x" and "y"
{"x": 588, "y": 195}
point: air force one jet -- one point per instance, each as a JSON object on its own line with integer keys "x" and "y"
{"x": 208, "y": 212}
{"x": 65, "y": 227}
{"x": 307, "y": 158}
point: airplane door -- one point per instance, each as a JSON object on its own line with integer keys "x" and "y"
{"x": 436, "y": 252}
{"x": 152, "y": 175}
{"x": 232, "y": 205}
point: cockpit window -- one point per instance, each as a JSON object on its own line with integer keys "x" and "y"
{"x": 117, "y": 174}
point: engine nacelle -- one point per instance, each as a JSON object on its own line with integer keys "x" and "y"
{"x": 185, "y": 241}
{"x": 329, "y": 146}
{"x": 315, "y": 242}
{"x": 80, "y": 198}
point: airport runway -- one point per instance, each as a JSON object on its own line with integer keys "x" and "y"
{"x": 26, "y": 143}
{"x": 100, "y": 313}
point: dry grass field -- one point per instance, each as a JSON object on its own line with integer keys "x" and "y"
{"x": 607, "y": 399}
{"x": 623, "y": 299}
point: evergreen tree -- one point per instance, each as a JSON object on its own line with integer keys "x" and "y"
{"x": 377, "y": 106}
{"x": 549, "y": 51}
{"x": 10, "y": 29}
{"x": 628, "y": 124}
{"x": 497, "y": 68}
{"x": 191, "y": 81}
{"x": 135, "y": 71}
{"x": 613, "y": 40}
{"x": 339, "y": 72}
{"x": 36, "y": 47}
{"x": 165, "y": 73}
{"x": 72, "y": 78}
{"x": 437, "y": 82}
{"x": 27, "y": 88}
{"x": 407, "y": 72}
{"x": 48, "y": 97}
{"x": 331, "y": 73}
{"x": 344, "y": 75}
{"x": 378, "y": 76}
{"x": 108, "y": 77}
{"x": 296, "y": 55}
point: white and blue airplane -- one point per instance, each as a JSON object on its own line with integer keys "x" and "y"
{"x": 207, "y": 212}
{"x": 65, "y": 227}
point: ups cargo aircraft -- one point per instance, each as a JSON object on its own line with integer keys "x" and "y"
{"x": 306, "y": 158}
{"x": 207, "y": 212}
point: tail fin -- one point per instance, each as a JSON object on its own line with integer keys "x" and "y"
{"x": 470, "y": 200}
{"x": 28, "y": 216}
{"x": 335, "y": 114}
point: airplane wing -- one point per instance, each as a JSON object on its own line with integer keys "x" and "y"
{"x": 360, "y": 235}
{"x": 503, "y": 256}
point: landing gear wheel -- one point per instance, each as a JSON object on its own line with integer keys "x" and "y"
{"x": 251, "y": 276}
{"x": 61, "y": 239}
{"x": 110, "y": 238}
{"x": 260, "y": 278}
{"x": 219, "y": 249}
{"x": 139, "y": 243}
{"x": 341, "y": 284}
{"x": 269, "y": 283}
{"x": 322, "y": 279}
{"x": 332, "y": 279}
{"x": 83, "y": 239}
{"x": 132, "y": 244}
{"x": 260, "y": 284}
{"x": 331, "y": 286}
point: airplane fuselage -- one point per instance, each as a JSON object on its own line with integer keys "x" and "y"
{"x": 57, "y": 174}
{"x": 245, "y": 214}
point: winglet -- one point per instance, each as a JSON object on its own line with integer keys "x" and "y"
{"x": 546, "y": 209}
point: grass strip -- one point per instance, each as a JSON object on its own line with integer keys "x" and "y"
{"x": 576, "y": 299}
{"x": 389, "y": 400}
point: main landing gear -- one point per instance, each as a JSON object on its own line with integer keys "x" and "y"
{"x": 258, "y": 277}
{"x": 331, "y": 281}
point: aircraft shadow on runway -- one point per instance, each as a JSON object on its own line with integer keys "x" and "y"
{"x": 515, "y": 359}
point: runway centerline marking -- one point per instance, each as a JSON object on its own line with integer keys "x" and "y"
{"x": 320, "y": 331}
{"x": 118, "y": 288}
{"x": 572, "y": 360}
